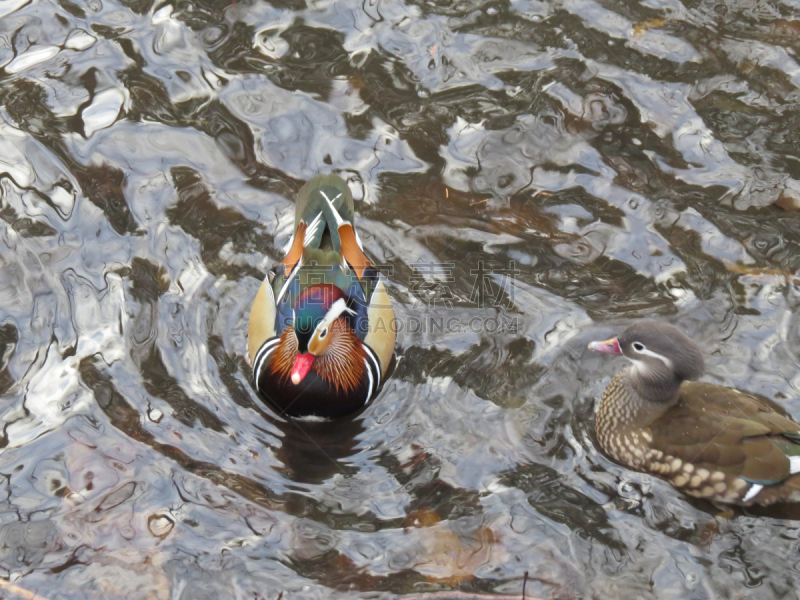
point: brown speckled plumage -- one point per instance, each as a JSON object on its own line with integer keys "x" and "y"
{"x": 707, "y": 440}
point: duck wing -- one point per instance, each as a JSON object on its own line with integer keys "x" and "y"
{"x": 723, "y": 429}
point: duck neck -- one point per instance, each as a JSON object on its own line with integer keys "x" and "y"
{"x": 626, "y": 404}
{"x": 653, "y": 385}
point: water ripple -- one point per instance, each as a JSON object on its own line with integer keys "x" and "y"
{"x": 566, "y": 165}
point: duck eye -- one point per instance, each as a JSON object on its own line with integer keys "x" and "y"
{"x": 323, "y": 333}
{"x": 638, "y": 346}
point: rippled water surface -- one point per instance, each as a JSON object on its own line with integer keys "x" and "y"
{"x": 532, "y": 174}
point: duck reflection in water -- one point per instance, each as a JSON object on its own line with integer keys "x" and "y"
{"x": 314, "y": 451}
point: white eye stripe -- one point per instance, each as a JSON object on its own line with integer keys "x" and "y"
{"x": 663, "y": 359}
{"x": 334, "y": 312}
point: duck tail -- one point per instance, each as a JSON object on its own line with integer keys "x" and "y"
{"x": 324, "y": 203}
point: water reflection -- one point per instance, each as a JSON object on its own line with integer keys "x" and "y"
{"x": 567, "y": 164}
{"x": 313, "y": 452}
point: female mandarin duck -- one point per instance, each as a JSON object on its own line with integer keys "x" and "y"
{"x": 707, "y": 440}
{"x": 322, "y": 331}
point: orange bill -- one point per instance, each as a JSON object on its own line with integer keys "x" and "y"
{"x": 608, "y": 347}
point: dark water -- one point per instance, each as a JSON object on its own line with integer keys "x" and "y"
{"x": 532, "y": 174}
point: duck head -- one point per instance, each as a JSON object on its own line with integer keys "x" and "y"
{"x": 320, "y": 327}
{"x": 662, "y": 356}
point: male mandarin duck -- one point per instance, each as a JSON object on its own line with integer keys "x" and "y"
{"x": 707, "y": 440}
{"x": 322, "y": 331}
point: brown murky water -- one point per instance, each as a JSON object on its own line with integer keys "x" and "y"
{"x": 531, "y": 173}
